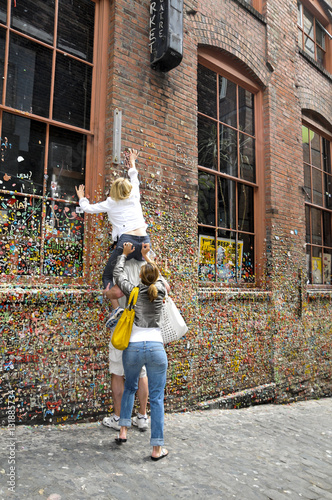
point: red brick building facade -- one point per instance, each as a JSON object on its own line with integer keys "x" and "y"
{"x": 236, "y": 180}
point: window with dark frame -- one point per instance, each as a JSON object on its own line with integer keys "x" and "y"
{"x": 227, "y": 179}
{"x": 46, "y": 64}
{"x": 318, "y": 205}
{"x": 311, "y": 34}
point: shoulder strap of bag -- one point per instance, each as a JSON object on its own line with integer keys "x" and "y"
{"x": 133, "y": 297}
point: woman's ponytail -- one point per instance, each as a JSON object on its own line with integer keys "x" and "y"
{"x": 152, "y": 292}
{"x": 149, "y": 275}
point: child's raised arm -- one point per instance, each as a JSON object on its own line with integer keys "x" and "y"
{"x": 80, "y": 191}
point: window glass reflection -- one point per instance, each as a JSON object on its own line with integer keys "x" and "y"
{"x": 2, "y": 58}
{"x": 72, "y": 92}
{"x": 228, "y": 151}
{"x": 29, "y": 76}
{"x": 22, "y": 154}
{"x": 227, "y": 102}
{"x": 207, "y": 143}
{"x": 207, "y": 254}
{"x": 76, "y": 28}
{"x": 226, "y": 203}
{"x": 246, "y": 111}
{"x": 34, "y": 18}
{"x": 207, "y": 91}
{"x": 247, "y": 158}
{"x": 245, "y": 208}
{"x": 206, "y": 199}
{"x": 66, "y": 163}
{"x": 3, "y": 11}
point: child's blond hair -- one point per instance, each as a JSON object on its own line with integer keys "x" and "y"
{"x": 120, "y": 189}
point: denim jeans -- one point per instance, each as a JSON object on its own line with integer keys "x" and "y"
{"x": 130, "y": 238}
{"x": 153, "y": 356}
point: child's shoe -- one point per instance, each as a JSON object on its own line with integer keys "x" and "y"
{"x": 114, "y": 318}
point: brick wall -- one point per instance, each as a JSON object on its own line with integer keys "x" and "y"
{"x": 275, "y": 334}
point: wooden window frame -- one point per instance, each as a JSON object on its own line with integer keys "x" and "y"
{"x": 234, "y": 71}
{"x": 323, "y": 133}
{"x": 318, "y": 13}
{"x": 95, "y": 147}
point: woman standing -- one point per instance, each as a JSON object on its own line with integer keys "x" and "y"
{"x": 145, "y": 348}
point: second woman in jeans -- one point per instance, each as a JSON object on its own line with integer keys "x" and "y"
{"x": 145, "y": 348}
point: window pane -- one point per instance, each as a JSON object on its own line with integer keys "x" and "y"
{"x": 207, "y": 91}
{"x": 226, "y": 203}
{"x": 247, "y": 158}
{"x": 207, "y": 254}
{"x": 317, "y": 194}
{"x": 245, "y": 208}
{"x": 66, "y": 163}
{"x": 327, "y": 229}
{"x": 228, "y": 151}
{"x": 22, "y": 154}
{"x": 326, "y": 156}
{"x": 76, "y": 27}
{"x": 307, "y": 226}
{"x": 228, "y": 257}
{"x": 2, "y": 58}
{"x": 305, "y": 143}
{"x": 315, "y": 150}
{"x": 246, "y": 111}
{"x": 63, "y": 248}
{"x": 29, "y": 76}
{"x": 308, "y": 23}
{"x": 307, "y": 182}
{"x": 227, "y": 102}
{"x": 308, "y": 258}
{"x": 3, "y": 11}
{"x": 34, "y": 18}
{"x": 316, "y": 266}
{"x": 328, "y": 190}
{"x": 309, "y": 47}
{"x": 327, "y": 271}
{"x": 320, "y": 36}
{"x": 206, "y": 199}
{"x": 299, "y": 14}
{"x": 246, "y": 273}
{"x": 320, "y": 55}
{"x": 72, "y": 92}
{"x": 316, "y": 226}
{"x": 207, "y": 143}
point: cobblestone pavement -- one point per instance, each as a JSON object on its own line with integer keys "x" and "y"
{"x": 261, "y": 452}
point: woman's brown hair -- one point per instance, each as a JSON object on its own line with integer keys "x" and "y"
{"x": 149, "y": 275}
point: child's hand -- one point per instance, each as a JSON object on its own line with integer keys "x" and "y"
{"x": 145, "y": 250}
{"x": 133, "y": 155}
{"x": 80, "y": 191}
{"x": 128, "y": 248}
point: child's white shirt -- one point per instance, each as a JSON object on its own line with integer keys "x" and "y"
{"x": 124, "y": 215}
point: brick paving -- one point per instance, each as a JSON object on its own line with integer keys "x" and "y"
{"x": 277, "y": 452}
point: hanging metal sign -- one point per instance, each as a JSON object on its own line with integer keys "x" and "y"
{"x": 166, "y": 34}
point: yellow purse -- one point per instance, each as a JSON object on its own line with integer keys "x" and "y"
{"x": 121, "y": 335}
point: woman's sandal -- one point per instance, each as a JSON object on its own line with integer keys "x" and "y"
{"x": 119, "y": 440}
{"x": 163, "y": 454}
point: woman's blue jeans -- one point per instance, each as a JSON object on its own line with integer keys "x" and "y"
{"x": 153, "y": 356}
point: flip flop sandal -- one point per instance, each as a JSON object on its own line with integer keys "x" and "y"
{"x": 163, "y": 454}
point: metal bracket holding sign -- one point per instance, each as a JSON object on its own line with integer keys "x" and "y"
{"x": 166, "y": 34}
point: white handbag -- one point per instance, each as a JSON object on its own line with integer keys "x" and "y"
{"x": 172, "y": 325}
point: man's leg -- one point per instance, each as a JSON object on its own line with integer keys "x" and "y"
{"x": 117, "y": 386}
{"x": 142, "y": 394}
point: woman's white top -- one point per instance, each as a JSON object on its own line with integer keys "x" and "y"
{"x": 124, "y": 215}
{"x": 139, "y": 334}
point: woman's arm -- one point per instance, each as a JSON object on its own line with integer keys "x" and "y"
{"x": 95, "y": 208}
{"x": 119, "y": 274}
{"x": 132, "y": 172}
